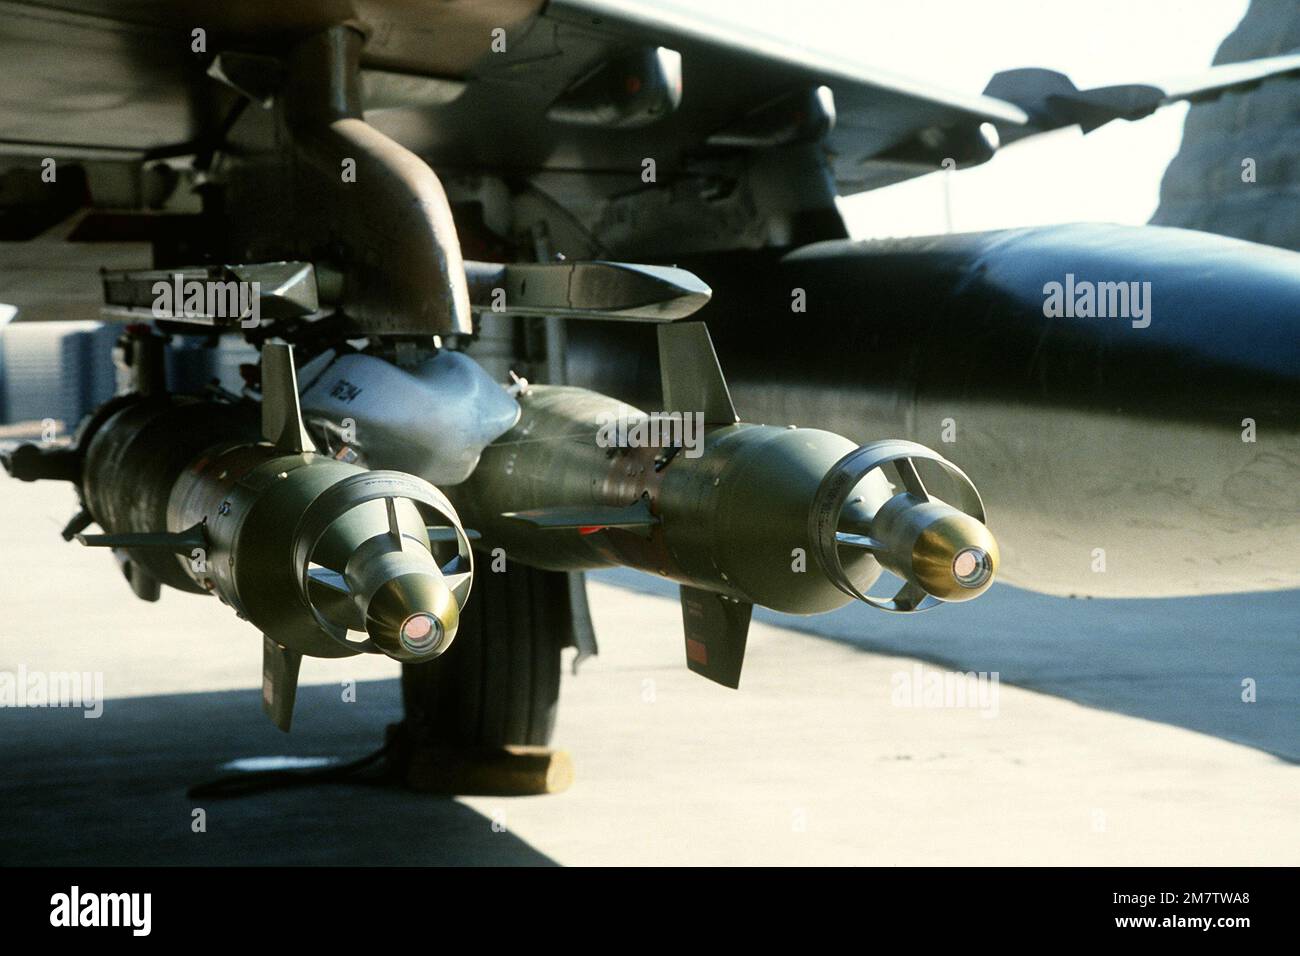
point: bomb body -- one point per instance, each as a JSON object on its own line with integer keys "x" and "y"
{"x": 325, "y": 557}
{"x": 235, "y": 510}
{"x": 736, "y": 520}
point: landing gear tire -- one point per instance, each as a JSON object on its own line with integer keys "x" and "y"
{"x": 491, "y": 699}
{"x": 499, "y": 682}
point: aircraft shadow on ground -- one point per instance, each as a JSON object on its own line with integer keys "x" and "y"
{"x": 1180, "y": 661}
{"x": 112, "y": 790}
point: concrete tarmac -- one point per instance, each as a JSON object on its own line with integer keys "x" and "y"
{"x": 1116, "y": 734}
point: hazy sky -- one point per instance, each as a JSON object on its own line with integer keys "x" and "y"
{"x": 1111, "y": 175}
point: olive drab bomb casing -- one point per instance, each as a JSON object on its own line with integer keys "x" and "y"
{"x": 795, "y": 519}
{"x": 326, "y": 558}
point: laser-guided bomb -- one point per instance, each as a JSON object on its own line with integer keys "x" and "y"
{"x": 796, "y": 519}
{"x": 326, "y": 558}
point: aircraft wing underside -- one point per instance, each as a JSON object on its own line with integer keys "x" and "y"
{"x": 519, "y": 87}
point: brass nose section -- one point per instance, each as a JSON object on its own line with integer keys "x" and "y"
{"x": 955, "y": 558}
{"x": 413, "y": 617}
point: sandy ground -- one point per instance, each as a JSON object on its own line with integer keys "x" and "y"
{"x": 819, "y": 758}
